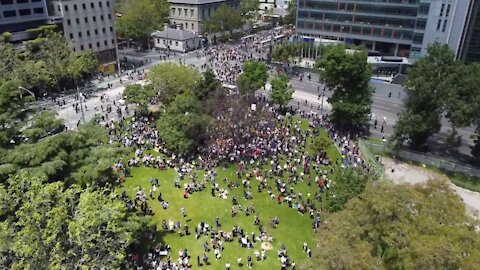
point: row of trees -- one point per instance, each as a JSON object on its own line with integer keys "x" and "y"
{"x": 56, "y": 208}
{"x": 439, "y": 86}
{"x": 47, "y": 63}
{"x": 139, "y": 18}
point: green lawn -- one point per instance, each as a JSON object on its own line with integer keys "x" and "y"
{"x": 294, "y": 229}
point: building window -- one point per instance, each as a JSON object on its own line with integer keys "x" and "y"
{"x": 109, "y": 16}
{"x": 74, "y": 6}
{"x": 173, "y": 11}
{"x": 185, "y": 12}
{"x": 101, "y": 17}
{"x": 22, "y": 1}
{"x": 94, "y": 18}
{"x": 6, "y": 2}
{"x": 179, "y": 12}
{"x": 176, "y": 43}
{"x": 100, "y": 4}
{"x": 58, "y": 8}
{"x": 113, "y": 41}
{"x": 439, "y": 24}
{"x": 71, "y": 36}
{"x": 77, "y": 20}
{"x": 68, "y": 22}
{"x": 111, "y": 29}
{"x": 92, "y": 5}
{"x": 84, "y": 6}
{"x": 103, "y": 30}
{"x": 186, "y": 26}
{"x": 89, "y": 45}
{"x": 38, "y": 10}
{"x": 105, "y": 42}
{"x": 444, "y": 26}
{"x": 80, "y": 35}
{"x": 86, "y": 19}
{"x": 191, "y": 12}
{"x": 98, "y": 44}
{"x": 65, "y": 7}
{"x": 96, "y": 32}
{"x": 81, "y": 47}
{"x": 193, "y": 27}
{"x": 441, "y": 10}
{"x": 417, "y": 38}
{"x": 108, "y": 3}
{"x": 448, "y": 10}
{"x": 33, "y": 1}
{"x": 88, "y": 33}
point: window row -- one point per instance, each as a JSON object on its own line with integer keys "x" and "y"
{"x": 22, "y": 12}
{"x": 84, "y": 6}
{"x": 360, "y": 8}
{"x": 90, "y": 46}
{"x": 349, "y": 18}
{"x": 86, "y": 19}
{"x": 88, "y": 32}
{"x": 11, "y": 2}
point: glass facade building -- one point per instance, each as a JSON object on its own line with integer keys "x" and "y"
{"x": 392, "y": 27}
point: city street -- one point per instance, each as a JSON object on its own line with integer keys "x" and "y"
{"x": 383, "y": 107}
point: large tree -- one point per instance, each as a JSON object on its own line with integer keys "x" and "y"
{"x": 433, "y": 83}
{"x": 207, "y": 85}
{"x": 12, "y": 112}
{"x": 49, "y": 226}
{"x": 182, "y": 126}
{"x": 253, "y": 77}
{"x": 282, "y": 91}
{"x": 139, "y": 18}
{"x": 171, "y": 79}
{"x": 400, "y": 227}
{"x": 224, "y": 19}
{"x": 348, "y": 74}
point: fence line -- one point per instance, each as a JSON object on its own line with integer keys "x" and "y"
{"x": 372, "y": 160}
{"x": 440, "y": 163}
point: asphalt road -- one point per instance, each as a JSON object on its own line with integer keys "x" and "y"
{"x": 383, "y": 107}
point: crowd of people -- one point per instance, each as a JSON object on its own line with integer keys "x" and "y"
{"x": 272, "y": 157}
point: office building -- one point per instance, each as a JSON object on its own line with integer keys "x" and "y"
{"x": 393, "y": 27}
{"x": 89, "y": 24}
{"x": 190, "y": 14}
{"x": 470, "y": 46}
{"x": 18, "y": 16}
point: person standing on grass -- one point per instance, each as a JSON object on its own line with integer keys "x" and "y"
{"x": 182, "y": 210}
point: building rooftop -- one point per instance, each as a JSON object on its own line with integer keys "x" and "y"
{"x": 194, "y": 2}
{"x": 174, "y": 34}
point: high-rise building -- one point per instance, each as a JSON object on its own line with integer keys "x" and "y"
{"x": 89, "y": 24}
{"x": 392, "y": 27}
{"x": 470, "y": 45}
{"x": 18, "y": 16}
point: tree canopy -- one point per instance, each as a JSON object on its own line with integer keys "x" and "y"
{"x": 348, "y": 74}
{"x": 282, "y": 91}
{"x": 224, "y": 19}
{"x": 182, "y": 125}
{"x": 171, "y": 79}
{"x": 253, "y": 77}
{"x": 438, "y": 84}
{"x": 400, "y": 227}
{"x": 50, "y": 226}
{"x": 140, "y": 18}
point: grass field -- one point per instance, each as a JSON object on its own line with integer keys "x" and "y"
{"x": 293, "y": 230}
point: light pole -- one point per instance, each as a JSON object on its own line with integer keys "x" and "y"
{"x": 81, "y": 104}
{"x": 321, "y": 105}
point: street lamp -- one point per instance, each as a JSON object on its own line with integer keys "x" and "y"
{"x": 321, "y": 105}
